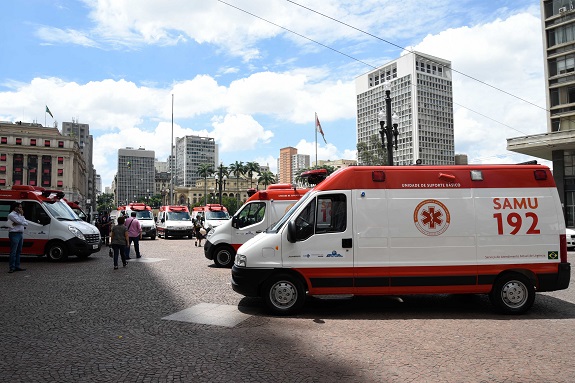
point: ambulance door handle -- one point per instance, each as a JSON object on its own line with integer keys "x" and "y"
{"x": 346, "y": 243}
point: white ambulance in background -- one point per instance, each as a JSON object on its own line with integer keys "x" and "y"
{"x": 174, "y": 221}
{"x": 53, "y": 228}
{"x": 396, "y": 230}
{"x": 261, "y": 210}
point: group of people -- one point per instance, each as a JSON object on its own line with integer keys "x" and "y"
{"x": 121, "y": 236}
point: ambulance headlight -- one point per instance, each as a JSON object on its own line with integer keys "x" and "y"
{"x": 240, "y": 260}
{"x": 210, "y": 233}
{"x": 77, "y": 233}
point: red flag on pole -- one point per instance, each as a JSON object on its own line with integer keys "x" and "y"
{"x": 318, "y": 126}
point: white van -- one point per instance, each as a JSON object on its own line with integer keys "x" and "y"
{"x": 144, "y": 215}
{"x": 262, "y": 209}
{"x": 174, "y": 221}
{"x": 53, "y": 228}
{"x": 396, "y": 230}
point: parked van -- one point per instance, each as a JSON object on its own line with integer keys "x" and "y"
{"x": 144, "y": 214}
{"x": 212, "y": 215}
{"x": 174, "y": 221}
{"x": 53, "y": 228}
{"x": 261, "y": 210}
{"x": 396, "y": 230}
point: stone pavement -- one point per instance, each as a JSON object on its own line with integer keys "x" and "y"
{"x": 173, "y": 317}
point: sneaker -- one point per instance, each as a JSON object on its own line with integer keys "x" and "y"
{"x": 19, "y": 269}
{"x": 115, "y": 267}
{"x": 11, "y": 270}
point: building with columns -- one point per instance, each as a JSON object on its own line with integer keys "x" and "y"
{"x": 31, "y": 154}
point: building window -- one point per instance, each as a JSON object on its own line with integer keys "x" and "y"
{"x": 3, "y": 169}
{"x": 60, "y": 172}
{"x": 18, "y": 141}
{"x": 4, "y": 140}
{"x": 60, "y": 183}
{"x": 32, "y": 142}
{"x": 3, "y": 157}
{"x": 2, "y": 181}
{"x": 60, "y": 144}
{"x": 60, "y": 160}
{"x": 47, "y": 143}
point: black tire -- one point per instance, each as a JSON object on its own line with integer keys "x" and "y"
{"x": 283, "y": 294}
{"x": 224, "y": 256}
{"x": 153, "y": 237}
{"x": 512, "y": 293}
{"x": 57, "y": 251}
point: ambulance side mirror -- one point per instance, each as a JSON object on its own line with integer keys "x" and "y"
{"x": 235, "y": 222}
{"x": 291, "y": 236}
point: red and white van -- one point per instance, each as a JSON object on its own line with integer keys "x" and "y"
{"x": 174, "y": 221}
{"x": 395, "y": 230}
{"x": 212, "y": 215}
{"x": 261, "y": 210}
{"x": 53, "y": 228}
{"x": 144, "y": 215}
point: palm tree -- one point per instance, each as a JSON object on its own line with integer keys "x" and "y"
{"x": 266, "y": 178}
{"x": 238, "y": 169}
{"x": 251, "y": 168}
{"x": 205, "y": 170}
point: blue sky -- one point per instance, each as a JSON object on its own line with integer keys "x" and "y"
{"x": 254, "y": 87}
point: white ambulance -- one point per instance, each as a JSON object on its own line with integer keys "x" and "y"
{"x": 174, "y": 221}
{"x": 53, "y": 228}
{"x": 371, "y": 230}
{"x": 261, "y": 210}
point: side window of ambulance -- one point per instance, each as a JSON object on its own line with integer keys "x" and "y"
{"x": 331, "y": 214}
{"x": 305, "y": 222}
{"x": 5, "y": 210}
{"x": 32, "y": 211}
{"x": 251, "y": 214}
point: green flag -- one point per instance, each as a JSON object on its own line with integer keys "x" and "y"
{"x": 48, "y": 111}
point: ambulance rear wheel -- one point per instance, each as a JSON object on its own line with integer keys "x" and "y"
{"x": 224, "y": 256}
{"x": 512, "y": 294}
{"x": 284, "y": 294}
{"x": 57, "y": 251}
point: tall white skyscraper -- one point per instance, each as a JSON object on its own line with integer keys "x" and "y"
{"x": 422, "y": 97}
{"x": 191, "y": 151}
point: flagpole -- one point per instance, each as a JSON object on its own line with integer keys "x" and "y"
{"x": 315, "y": 128}
{"x": 172, "y": 156}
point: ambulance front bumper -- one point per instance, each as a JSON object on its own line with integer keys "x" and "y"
{"x": 248, "y": 281}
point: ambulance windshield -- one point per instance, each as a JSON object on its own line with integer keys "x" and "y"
{"x": 61, "y": 211}
{"x": 278, "y": 225}
{"x": 178, "y": 216}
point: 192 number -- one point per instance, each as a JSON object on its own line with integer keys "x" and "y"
{"x": 515, "y": 221}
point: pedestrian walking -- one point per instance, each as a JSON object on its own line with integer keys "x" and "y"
{"x": 119, "y": 242}
{"x": 104, "y": 224}
{"x": 134, "y": 233}
{"x": 200, "y": 231}
{"x": 16, "y": 236}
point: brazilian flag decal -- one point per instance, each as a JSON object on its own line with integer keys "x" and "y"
{"x": 552, "y": 255}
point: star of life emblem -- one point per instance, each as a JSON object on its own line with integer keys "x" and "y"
{"x": 431, "y": 217}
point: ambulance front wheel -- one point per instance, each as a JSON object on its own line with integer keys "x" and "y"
{"x": 224, "y": 256}
{"x": 512, "y": 294}
{"x": 57, "y": 251}
{"x": 284, "y": 294}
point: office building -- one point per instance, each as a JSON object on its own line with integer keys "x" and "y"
{"x": 422, "y": 97}
{"x": 285, "y": 168}
{"x": 557, "y": 144}
{"x": 135, "y": 179}
{"x": 190, "y": 153}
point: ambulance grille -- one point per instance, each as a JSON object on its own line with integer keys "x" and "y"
{"x": 92, "y": 239}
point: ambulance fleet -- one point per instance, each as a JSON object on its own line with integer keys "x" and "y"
{"x": 366, "y": 230}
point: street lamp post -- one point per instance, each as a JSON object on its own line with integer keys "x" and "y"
{"x": 220, "y": 182}
{"x": 388, "y": 124}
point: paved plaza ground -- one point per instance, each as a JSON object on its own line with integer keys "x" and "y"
{"x": 173, "y": 317}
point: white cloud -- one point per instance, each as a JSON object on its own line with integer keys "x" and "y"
{"x": 239, "y": 132}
